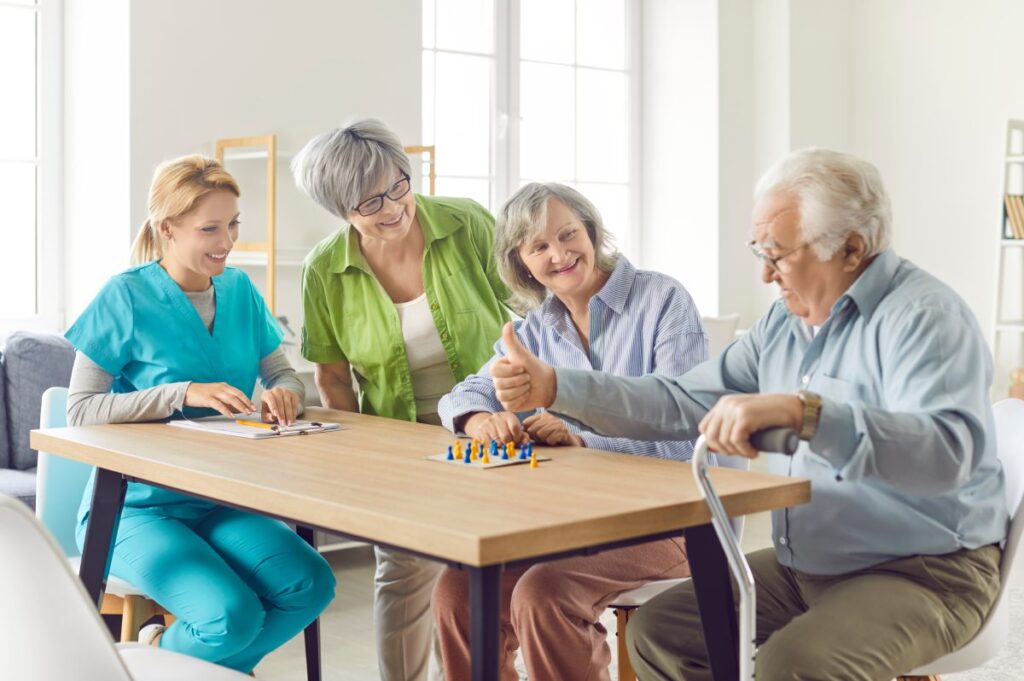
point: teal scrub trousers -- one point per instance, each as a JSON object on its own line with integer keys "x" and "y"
{"x": 239, "y": 584}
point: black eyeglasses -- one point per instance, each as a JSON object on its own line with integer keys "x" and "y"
{"x": 375, "y": 203}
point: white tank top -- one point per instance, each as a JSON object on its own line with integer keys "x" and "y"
{"x": 431, "y": 376}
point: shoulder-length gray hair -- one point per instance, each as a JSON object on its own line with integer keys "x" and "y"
{"x": 524, "y": 216}
{"x": 338, "y": 168}
{"x": 839, "y": 194}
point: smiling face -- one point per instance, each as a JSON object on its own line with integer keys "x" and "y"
{"x": 561, "y": 257}
{"x": 394, "y": 220}
{"x": 197, "y": 243}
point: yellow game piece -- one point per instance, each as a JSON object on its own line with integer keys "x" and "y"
{"x": 510, "y": 447}
{"x": 485, "y": 457}
{"x": 533, "y": 459}
{"x": 473, "y": 451}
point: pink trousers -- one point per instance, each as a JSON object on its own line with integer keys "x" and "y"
{"x": 552, "y": 610}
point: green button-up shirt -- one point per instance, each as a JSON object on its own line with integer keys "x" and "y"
{"x": 349, "y": 317}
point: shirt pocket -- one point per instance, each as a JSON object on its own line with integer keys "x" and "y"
{"x": 839, "y": 389}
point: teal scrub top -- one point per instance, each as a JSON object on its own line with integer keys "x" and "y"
{"x": 144, "y": 331}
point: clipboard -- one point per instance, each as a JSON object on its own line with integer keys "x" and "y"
{"x": 223, "y": 425}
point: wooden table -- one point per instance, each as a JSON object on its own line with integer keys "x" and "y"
{"x": 372, "y": 482}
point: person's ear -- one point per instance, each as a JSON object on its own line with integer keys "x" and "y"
{"x": 165, "y": 230}
{"x": 854, "y": 251}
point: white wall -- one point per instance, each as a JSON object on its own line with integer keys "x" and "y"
{"x": 934, "y": 83}
{"x": 207, "y": 70}
{"x": 679, "y": 231}
{"x": 97, "y": 156}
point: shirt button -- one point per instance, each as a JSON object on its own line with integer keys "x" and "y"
{"x": 805, "y": 380}
{"x": 435, "y": 307}
{"x": 782, "y": 540}
{"x": 444, "y": 335}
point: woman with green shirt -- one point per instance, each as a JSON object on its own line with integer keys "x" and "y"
{"x": 405, "y": 298}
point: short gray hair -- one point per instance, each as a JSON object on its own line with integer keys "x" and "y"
{"x": 839, "y": 194}
{"x": 339, "y": 168}
{"x": 524, "y": 216}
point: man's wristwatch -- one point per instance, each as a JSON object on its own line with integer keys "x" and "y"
{"x": 812, "y": 412}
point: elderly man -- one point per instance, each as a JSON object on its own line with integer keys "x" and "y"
{"x": 884, "y": 372}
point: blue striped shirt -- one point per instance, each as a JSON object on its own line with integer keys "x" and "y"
{"x": 640, "y": 323}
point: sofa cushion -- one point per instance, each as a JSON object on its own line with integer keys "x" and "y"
{"x": 5, "y": 449}
{"x": 19, "y": 484}
{"x": 33, "y": 362}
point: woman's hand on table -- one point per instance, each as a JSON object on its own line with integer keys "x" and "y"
{"x": 280, "y": 405}
{"x": 503, "y": 426}
{"x": 221, "y": 397}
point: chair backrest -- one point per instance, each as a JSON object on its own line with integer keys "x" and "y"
{"x": 721, "y": 331}
{"x": 60, "y": 482}
{"x": 49, "y": 630}
{"x": 1009, "y": 418}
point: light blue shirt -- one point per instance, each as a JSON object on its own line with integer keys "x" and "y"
{"x": 640, "y": 323}
{"x": 904, "y": 459}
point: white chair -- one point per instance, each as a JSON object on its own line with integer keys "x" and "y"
{"x": 627, "y": 602}
{"x": 60, "y": 483}
{"x": 49, "y": 631}
{"x": 721, "y": 331}
{"x": 991, "y": 638}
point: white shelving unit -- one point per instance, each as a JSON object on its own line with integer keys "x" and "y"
{"x": 1008, "y": 321}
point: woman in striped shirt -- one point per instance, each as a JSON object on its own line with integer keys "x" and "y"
{"x": 586, "y": 307}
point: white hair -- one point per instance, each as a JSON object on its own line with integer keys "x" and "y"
{"x": 839, "y": 195}
{"x": 339, "y": 168}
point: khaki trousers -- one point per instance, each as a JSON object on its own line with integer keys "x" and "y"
{"x": 875, "y": 623}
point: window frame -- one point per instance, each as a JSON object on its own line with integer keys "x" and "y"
{"x": 49, "y": 164}
{"x": 505, "y": 111}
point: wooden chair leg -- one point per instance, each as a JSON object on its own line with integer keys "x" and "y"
{"x": 129, "y": 620}
{"x": 137, "y": 611}
{"x": 621, "y": 621}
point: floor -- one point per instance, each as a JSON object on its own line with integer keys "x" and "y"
{"x": 347, "y": 630}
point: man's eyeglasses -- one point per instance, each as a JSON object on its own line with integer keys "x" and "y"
{"x": 375, "y": 203}
{"x": 769, "y": 261}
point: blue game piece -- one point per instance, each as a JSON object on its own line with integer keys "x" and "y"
{"x": 451, "y": 456}
{"x": 466, "y": 458}
{"x": 523, "y": 453}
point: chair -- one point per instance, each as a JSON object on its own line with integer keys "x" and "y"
{"x": 627, "y": 602}
{"x": 721, "y": 331}
{"x": 60, "y": 484}
{"x": 991, "y": 638}
{"x": 49, "y": 631}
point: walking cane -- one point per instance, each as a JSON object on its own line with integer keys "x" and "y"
{"x": 777, "y": 440}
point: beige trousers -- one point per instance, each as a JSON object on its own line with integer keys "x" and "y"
{"x": 401, "y": 615}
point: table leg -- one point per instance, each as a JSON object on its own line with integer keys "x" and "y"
{"x": 713, "y": 585}
{"x": 104, "y": 516}
{"x": 484, "y": 604}
{"x": 311, "y": 635}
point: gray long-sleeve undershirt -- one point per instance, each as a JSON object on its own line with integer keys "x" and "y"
{"x": 90, "y": 401}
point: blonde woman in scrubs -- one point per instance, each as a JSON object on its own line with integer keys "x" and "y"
{"x": 181, "y": 334}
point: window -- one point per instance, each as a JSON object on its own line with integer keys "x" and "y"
{"x": 516, "y": 91}
{"x": 30, "y": 136}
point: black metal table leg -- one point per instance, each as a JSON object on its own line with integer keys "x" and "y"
{"x": 713, "y": 586}
{"x": 484, "y": 602}
{"x": 311, "y": 635}
{"x": 104, "y": 516}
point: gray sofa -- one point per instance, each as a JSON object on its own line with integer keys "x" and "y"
{"x": 29, "y": 364}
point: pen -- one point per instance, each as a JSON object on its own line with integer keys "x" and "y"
{"x": 257, "y": 424}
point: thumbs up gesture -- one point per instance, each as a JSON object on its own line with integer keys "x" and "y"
{"x": 522, "y": 381}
